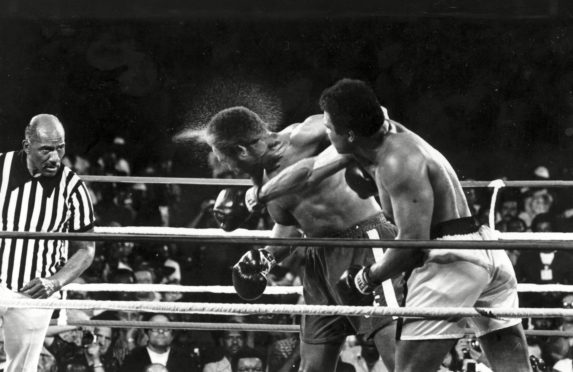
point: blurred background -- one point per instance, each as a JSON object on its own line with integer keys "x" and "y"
{"x": 489, "y": 84}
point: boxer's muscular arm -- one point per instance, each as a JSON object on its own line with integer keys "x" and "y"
{"x": 412, "y": 201}
{"x": 285, "y": 227}
{"x": 282, "y": 231}
{"x": 304, "y": 174}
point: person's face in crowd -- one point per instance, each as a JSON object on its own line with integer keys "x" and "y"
{"x": 542, "y": 227}
{"x": 470, "y": 344}
{"x": 103, "y": 337}
{"x": 508, "y": 210}
{"x": 124, "y": 249}
{"x": 471, "y": 196}
{"x": 47, "y": 362}
{"x": 369, "y": 351}
{"x": 45, "y": 149}
{"x": 155, "y": 367}
{"x": 128, "y": 315}
{"x": 250, "y": 365}
{"x": 233, "y": 341}
{"x": 540, "y": 204}
{"x": 2, "y": 351}
{"x": 73, "y": 336}
{"x": 144, "y": 277}
{"x": 160, "y": 338}
{"x": 339, "y": 141}
{"x": 542, "y": 323}
{"x": 516, "y": 225}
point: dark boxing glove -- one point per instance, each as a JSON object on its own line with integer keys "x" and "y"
{"x": 360, "y": 182}
{"x": 230, "y": 210}
{"x": 355, "y": 288}
{"x": 252, "y": 200}
{"x": 250, "y": 273}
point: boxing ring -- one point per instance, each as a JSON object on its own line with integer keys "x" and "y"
{"x": 508, "y": 241}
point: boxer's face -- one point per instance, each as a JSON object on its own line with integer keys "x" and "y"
{"x": 241, "y": 162}
{"x": 45, "y": 150}
{"x": 339, "y": 141}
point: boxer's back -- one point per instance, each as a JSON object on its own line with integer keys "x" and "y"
{"x": 449, "y": 198}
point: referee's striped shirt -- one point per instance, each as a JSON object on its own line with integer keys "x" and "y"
{"x": 44, "y": 204}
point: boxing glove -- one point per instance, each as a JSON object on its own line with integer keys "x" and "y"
{"x": 354, "y": 286}
{"x": 250, "y": 273}
{"x": 252, "y": 201}
{"x": 230, "y": 210}
{"x": 360, "y": 182}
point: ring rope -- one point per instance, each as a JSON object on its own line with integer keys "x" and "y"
{"x": 325, "y": 242}
{"x": 198, "y": 326}
{"x": 253, "y": 327}
{"x": 226, "y": 308}
{"x": 247, "y": 182}
{"x": 110, "y": 287}
{"x": 185, "y": 231}
{"x": 270, "y": 290}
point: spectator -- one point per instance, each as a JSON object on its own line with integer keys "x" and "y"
{"x": 230, "y": 342}
{"x": 122, "y": 276}
{"x": 146, "y": 276}
{"x": 508, "y": 208}
{"x": 2, "y": 352}
{"x": 283, "y": 348}
{"x": 47, "y": 362}
{"x": 543, "y": 267}
{"x": 94, "y": 353}
{"x": 537, "y": 201}
{"x": 515, "y": 224}
{"x": 555, "y": 350}
{"x": 248, "y": 360}
{"x": 155, "y": 367}
{"x": 364, "y": 356}
{"x": 159, "y": 350}
{"x": 109, "y": 209}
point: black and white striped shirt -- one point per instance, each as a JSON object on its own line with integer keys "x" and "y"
{"x": 45, "y": 204}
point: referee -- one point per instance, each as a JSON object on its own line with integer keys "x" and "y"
{"x": 38, "y": 193}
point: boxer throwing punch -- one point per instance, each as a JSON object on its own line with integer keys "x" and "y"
{"x": 240, "y": 138}
{"x": 422, "y": 191}
{"x": 38, "y": 193}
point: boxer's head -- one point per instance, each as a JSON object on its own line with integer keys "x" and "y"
{"x": 235, "y": 135}
{"x": 44, "y": 143}
{"x": 350, "y": 109}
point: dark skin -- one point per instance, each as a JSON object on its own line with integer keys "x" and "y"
{"x": 420, "y": 189}
{"x": 45, "y": 148}
{"x": 326, "y": 206}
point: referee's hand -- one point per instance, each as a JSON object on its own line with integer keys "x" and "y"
{"x": 40, "y": 287}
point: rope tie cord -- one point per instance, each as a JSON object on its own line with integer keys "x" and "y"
{"x": 222, "y": 308}
{"x": 496, "y": 184}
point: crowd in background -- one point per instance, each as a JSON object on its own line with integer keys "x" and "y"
{"x": 540, "y": 209}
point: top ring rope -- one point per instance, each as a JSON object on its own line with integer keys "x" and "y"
{"x": 246, "y": 182}
{"x": 221, "y": 308}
